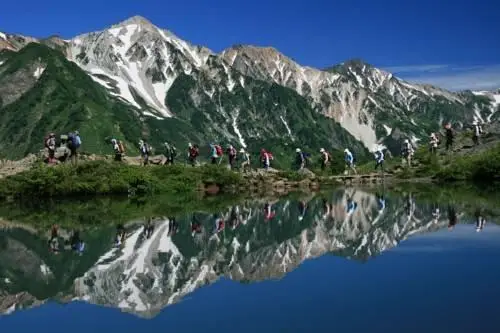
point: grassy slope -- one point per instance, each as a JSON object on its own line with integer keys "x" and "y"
{"x": 63, "y": 99}
{"x": 466, "y": 162}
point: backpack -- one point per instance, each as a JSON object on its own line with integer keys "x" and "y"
{"x": 46, "y": 141}
{"x": 218, "y": 150}
{"x": 121, "y": 148}
{"x": 74, "y": 140}
{"x": 193, "y": 151}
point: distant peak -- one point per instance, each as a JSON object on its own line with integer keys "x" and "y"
{"x": 357, "y": 63}
{"x": 136, "y": 20}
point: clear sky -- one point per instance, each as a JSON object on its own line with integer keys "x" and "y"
{"x": 454, "y": 44}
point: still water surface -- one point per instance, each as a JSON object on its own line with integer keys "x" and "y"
{"x": 350, "y": 260}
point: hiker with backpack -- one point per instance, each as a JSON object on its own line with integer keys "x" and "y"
{"x": 74, "y": 142}
{"x": 170, "y": 153}
{"x": 379, "y": 159}
{"x": 266, "y": 157}
{"x": 145, "y": 150}
{"x": 215, "y": 153}
{"x": 50, "y": 145}
{"x": 193, "y": 153}
{"x": 63, "y": 152}
{"x": 349, "y": 161}
{"x": 300, "y": 159}
{"x": 231, "y": 153}
{"x": 325, "y": 158}
{"x": 119, "y": 149}
{"x": 433, "y": 143}
{"x": 407, "y": 152}
{"x": 449, "y": 136}
{"x": 477, "y": 131}
{"x": 245, "y": 160}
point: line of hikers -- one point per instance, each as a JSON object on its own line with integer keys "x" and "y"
{"x": 66, "y": 148}
{"x": 62, "y": 150}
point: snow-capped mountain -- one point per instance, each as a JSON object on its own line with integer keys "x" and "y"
{"x": 137, "y": 59}
{"x": 148, "y": 274}
{"x": 238, "y": 95}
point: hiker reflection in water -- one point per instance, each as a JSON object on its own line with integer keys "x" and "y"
{"x": 268, "y": 212}
{"x": 53, "y": 240}
{"x": 234, "y": 218}
{"x": 149, "y": 228}
{"x": 219, "y": 223}
{"x": 120, "y": 235}
{"x": 480, "y": 220}
{"x": 351, "y": 205}
{"x": 173, "y": 226}
{"x": 76, "y": 242}
{"x": 380, "y": 201}
{"x": 452, "y": 217}
{"x": 302, "y": 209}
{"x": 409, "y": 205}
{"x": 327, "y": 207}
{"x": 196, "y": 227}
{"x": 436, "y": 214}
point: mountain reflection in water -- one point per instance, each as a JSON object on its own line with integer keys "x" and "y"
{"x": 144, "y": 265}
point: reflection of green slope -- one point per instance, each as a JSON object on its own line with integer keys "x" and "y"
{"x": 275, "y": 247}
{"x": 65, "y": 266}
{"x": 101, "y": 211}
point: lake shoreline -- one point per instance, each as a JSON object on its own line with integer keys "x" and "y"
{"x": 106, "y": 178}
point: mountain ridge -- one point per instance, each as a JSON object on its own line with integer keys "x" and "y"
{"x": 139, "y": 63}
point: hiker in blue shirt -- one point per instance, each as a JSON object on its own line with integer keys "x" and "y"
{"x": 349, "y": 161}
{"x": 379, "y": 159}
{"x": 74, "y": 142}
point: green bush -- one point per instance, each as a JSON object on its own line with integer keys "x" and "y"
{"x": 480, "y": 167}
{"x": 96, "y": 178}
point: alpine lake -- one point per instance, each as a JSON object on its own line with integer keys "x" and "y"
{"x": 413, "y": 258}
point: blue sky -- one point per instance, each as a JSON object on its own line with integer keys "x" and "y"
{"x": 453, "y": 44}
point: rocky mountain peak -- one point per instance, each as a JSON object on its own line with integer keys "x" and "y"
{"x": 137, "y": 19}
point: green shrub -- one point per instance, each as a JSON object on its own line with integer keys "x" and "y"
{"x": 100, "y": 177}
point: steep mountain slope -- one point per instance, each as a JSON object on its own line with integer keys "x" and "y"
{"x": 41, "y": 91}
{"x": 139, "y": 58}
{"x": 367, "y": 101}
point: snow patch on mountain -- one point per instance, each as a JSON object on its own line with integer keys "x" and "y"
{"x": 38, "y": 72}
{"x": 3, "y": 36}
{"x": 10, "y": 309}
{"x": 388, "y": 130}
{"x": 495, "y": 103}
{"x": 149, "y": 114}
{"x": 236, "y": 129}
{"x": 45, "y": 269}
{"x": 287, "y": 127}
